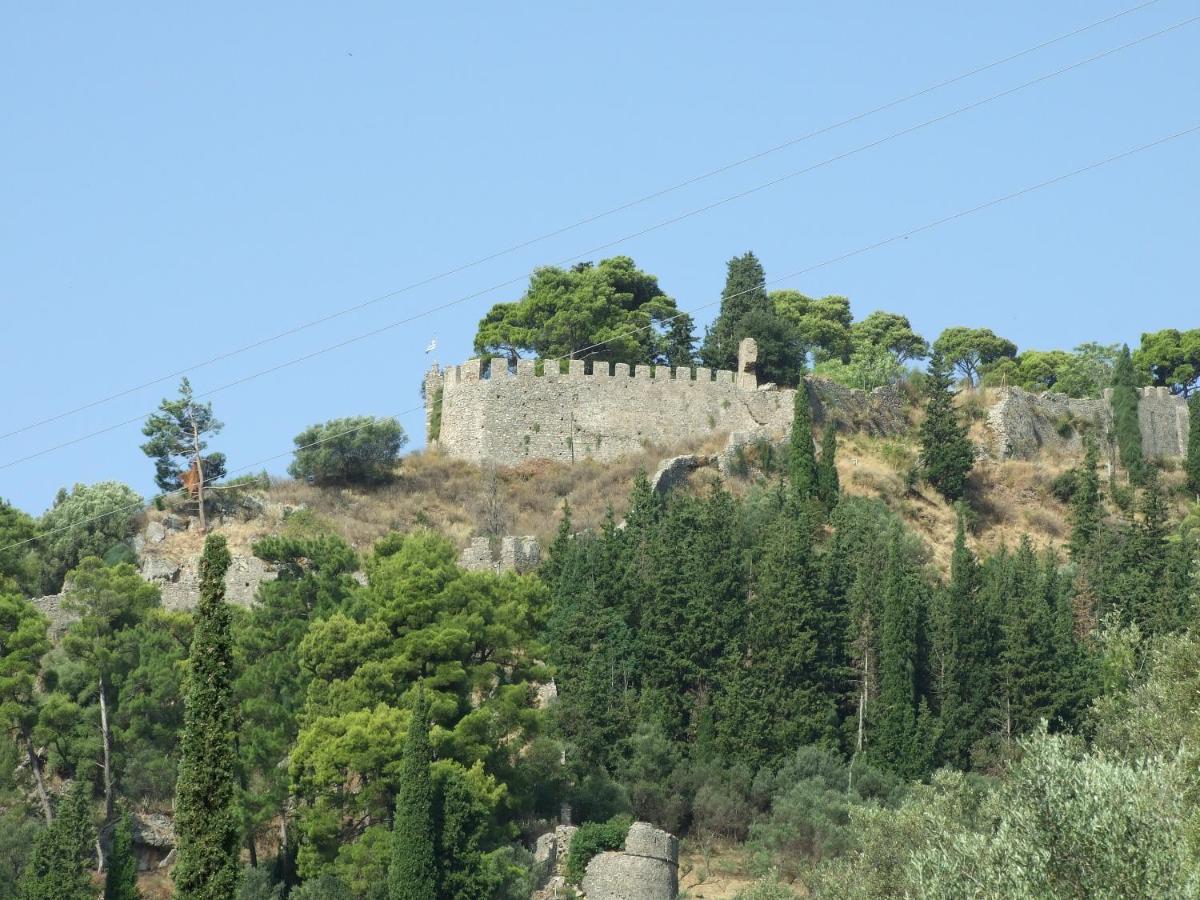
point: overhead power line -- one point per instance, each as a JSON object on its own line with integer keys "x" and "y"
{"x": 586, "y": 220}
{"x": 621, "y": 240}
{"x": 867, "y": 248}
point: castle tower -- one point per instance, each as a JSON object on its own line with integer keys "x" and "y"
{"x": 747, "y": 370}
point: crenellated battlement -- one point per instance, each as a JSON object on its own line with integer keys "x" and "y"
{"x": 569, "y": 410}
{"x": 474, "y": 370}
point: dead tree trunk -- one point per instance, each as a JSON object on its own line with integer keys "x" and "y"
{"x": 39, "y": 780}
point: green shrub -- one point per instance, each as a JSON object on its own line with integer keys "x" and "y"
{"x": 1063, "y": 487}
{"x": 89, "y": 521}
{"x": 769, "y": 887}
{"x": 257, "y": 884}
{"x": 593, "y": 838}
{"x": 355, "y": 450}
{"x": 323, "y": 887}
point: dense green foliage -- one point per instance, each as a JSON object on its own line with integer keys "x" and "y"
{"x": 1084, "y": 372}
{"x": 357, "y": 450}
{"x": 177, "y": 434}
{"x": 120, "y": 876}
{"x": 59, "y": 865}
{"x": 1171, "y": 358}
{"x": 565, "y": 313}
{"x": 947, "y": 454}
{"x": 205, "y": 825}
{"x": 19, "y": 563}
{"x": 92, "y": 520}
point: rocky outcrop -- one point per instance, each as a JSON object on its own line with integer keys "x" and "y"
{"x": 647, "y": 869}
{"x": 676, "y": 469}
{"x": 550, "y": 862}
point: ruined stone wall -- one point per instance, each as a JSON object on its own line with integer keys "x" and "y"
{"x": 1022, "y": 424}
{"x": 489, "y": 414}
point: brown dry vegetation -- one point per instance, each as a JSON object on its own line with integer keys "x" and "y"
{"x": 1009, "y": 499}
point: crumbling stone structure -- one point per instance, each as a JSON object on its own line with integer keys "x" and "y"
{"x": 647, "y": 869}
{"x": 603, "y": 411}
{"x": 517, "y": 554}
{"x": 1022, "y": 424}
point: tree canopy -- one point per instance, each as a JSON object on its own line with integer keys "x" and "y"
{"x": 968, "y": 350}
{"x": 1171, "y": 358}
{"x": 564, "y": 312}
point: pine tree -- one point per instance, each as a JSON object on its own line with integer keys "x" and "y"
{"x": 745, "y": 292}
{"x": 802, "y": 459}
{"x": 947, "y": 454}
{"x": 1193, "y": 449}
{"x": 1087, "y": 510}
{"x": 205, "y": 826}
{"x": 59, "y": 866}
{"x": 412, "y": 874}
{"x": 1125, "y": 415}
{"x": 828, "y": 487}
{"x": 120, "y": 879}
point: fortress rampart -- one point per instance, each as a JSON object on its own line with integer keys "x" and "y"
{"x": 485, "y": 412}
{"x": 1022, "y": 424}
{"x": 488, "y": 413}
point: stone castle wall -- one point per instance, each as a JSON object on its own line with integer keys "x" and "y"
{"x": 492, "y": 415}
{"x": 1023, "y": 424}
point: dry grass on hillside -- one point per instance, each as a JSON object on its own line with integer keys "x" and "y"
{"x": 456, "y": 498}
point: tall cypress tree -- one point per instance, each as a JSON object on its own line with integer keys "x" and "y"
{"x": 1087, "y": 510}
{"x": 786, "y": 688}
{"x": 802, "y": 457}
{"x": 205, "y": 825}
{"x": 412, "y": 874}
{"x": 947, "y": 454}
{"x": 1125, "y": 415}
{"x": 1193, "y": 447}
{"x": 745, "y": 292}
{"x": 120, "y": 880}
{"x": 959, "y": 655}
{"x": 59, "y": 866}
{"x": 828, "y": 487}
{"x": 895, "y": 744}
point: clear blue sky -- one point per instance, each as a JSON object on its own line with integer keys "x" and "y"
{"x": 178, "y": 181}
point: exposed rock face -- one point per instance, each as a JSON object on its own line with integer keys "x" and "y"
{"x": 517, "y": 554}
{"x": 550, "y": 862}
{"x": 674, "y": 470}
{"x": 51, "y": 606}
{"x": 180, "y": 582}
{"x": 1022, "y": 424}
{"x": 648, "y": 868}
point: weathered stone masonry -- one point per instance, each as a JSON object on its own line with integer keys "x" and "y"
{"x": 491, "y": 415}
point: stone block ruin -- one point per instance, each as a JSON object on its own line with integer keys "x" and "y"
{"x": 517, "y": 554}
{"x": 571, "y": 410}
{"x": 1022, "y": 424}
